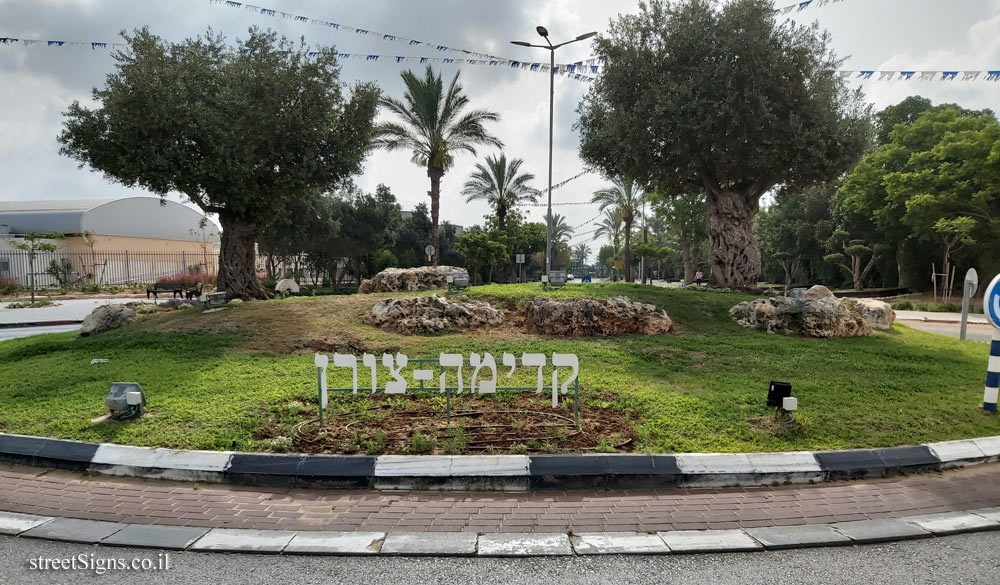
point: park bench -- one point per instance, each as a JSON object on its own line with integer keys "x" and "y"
{"x": 193, "y": 293}
{"x": 165, "y": 287}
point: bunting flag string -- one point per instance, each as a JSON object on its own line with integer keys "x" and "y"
{"x": 569, "y": 70}
{"x": 800, "y": 6}
{"x": 350, "y": 29}
{"x": 583, "y": 71}
{"x": 556, "y": 186}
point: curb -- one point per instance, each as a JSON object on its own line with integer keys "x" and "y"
{"x": 39, "y": 324}
{"x": 500, "y": 544}
{"x": 515, "y": 473}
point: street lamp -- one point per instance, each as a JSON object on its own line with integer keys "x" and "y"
{"x": 544, "y": 33}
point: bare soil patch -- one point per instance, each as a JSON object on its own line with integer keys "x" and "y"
{"x": 520, "y": 423}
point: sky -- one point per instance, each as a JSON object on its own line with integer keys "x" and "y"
{"x": 38, "y": 82}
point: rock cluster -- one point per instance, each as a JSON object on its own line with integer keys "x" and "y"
{"x": 105, "y": 318}
{"x": 433, "y": 314}
{"x": 420, "y": 278}
{"x": 585, "y": 317}
{"x": 823, "y": 317}
{"x": 879, "y": 314}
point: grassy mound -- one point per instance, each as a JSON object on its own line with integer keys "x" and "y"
{"x": 243, "y": 378}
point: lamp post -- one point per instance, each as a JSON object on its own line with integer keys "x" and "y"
{"x": 544, "y": 33}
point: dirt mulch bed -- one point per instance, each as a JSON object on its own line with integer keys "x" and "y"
{"x": 509, "y": 423}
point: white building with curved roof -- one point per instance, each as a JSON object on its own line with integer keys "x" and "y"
{"x": 117, "y": 230}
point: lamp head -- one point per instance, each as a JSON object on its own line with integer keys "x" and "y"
{"x": 542, "y": 31}
{"x": 520, "y": 43}
{"x": 586, "y": 36}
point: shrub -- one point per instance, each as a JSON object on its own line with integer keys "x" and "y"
{"x": 381, "y": 260}
{"x": 279, "y": 444}
{"x": 376, "y": 445}
{"x": 421, "y": 444}
{"x": 189, "y": 278}
{"x": 8, "y": 285}
{"x": 236, "y": 302}
{"x": 146, "y": 309}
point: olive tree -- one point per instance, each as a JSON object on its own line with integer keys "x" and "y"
{"x": 725, "y": 99}
{"x": 239, "y": 130}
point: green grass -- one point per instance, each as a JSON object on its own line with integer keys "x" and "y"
{"x": 211, "y": 379}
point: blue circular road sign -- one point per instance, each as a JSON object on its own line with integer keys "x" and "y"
{"x": 991, "y": 302}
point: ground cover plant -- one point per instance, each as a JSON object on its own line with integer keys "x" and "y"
{"x": 226, "y": 380}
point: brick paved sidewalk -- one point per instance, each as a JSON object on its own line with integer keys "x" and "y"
{"x": 141, "y": 501}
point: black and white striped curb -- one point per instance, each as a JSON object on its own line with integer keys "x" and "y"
{"x": 497, "y": 472}
{"x": 496, "y": 544}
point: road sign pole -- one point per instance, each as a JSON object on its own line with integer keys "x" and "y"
{"x": 969, "y": 289}
{"x": 991, "y": 306}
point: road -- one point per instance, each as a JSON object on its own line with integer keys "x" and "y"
{"x": 16, "y": 332}
{"x": 65, "y": 310}
{"x": 959, "y": 560}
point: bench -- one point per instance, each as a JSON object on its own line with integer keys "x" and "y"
{"x": 165, "y": 287}
{"x": 193, "y": 293}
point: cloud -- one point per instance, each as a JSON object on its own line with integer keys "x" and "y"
{"x": 39, "y": 82}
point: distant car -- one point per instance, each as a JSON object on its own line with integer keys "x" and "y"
{"x": 569, "y": 276}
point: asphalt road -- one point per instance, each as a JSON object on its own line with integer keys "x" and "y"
{"x": 975, "y": 332}
{"x": 16, "y": 332}
{"x": 958, "y": 560}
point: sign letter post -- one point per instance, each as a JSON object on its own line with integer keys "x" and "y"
{"x": 991, "y": 306}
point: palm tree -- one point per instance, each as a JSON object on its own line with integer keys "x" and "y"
{"x": 580, "y": 253}
{"x": 624, "y": 196}
{"x": 502, "y": 185}
{"x": 434, "y": 128}
{"x": 610, "y": 227}
{"x": 560, "y": 230}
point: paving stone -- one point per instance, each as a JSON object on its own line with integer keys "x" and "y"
{"x": 12, "y": 523}
{"x": 430, "y": 543}
{"x": 336, "y": 543}
{"x": 618, "y": 543}
{"x": 152, "y": 536}
{"x": 954, "y": 522}
{"x": 73, "y": 530}
{"x": 513, "y": 544}
{"x": 697, "y": 541}
{"x": 244, "y": 540}
{"x": 779, "y": 537}
{"x": 880, "y": 530}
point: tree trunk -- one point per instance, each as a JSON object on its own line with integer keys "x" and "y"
{"x": 501, "y": 218}
{"x": 628, "y": 252}
{"x": 237, "y": 269}
{"x": 900, "y": 279}
{"x": 435, "y": 174}
{"x": 735, "y": 257}
{"x": 688, "y": 260}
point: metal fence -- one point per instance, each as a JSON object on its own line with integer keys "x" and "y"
{"x": 76, "y": 269}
